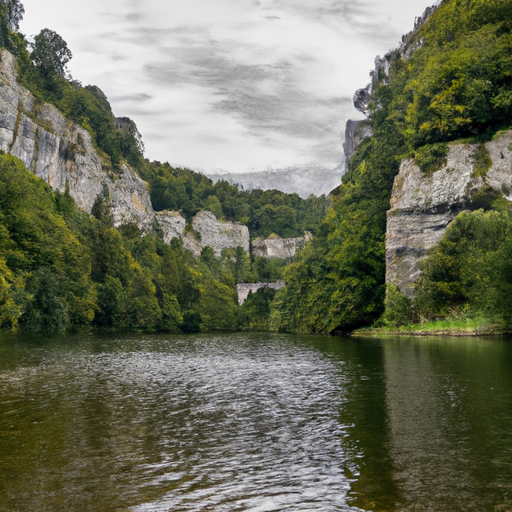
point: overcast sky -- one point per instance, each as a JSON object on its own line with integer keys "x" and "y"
{"x": 237, "y": 85}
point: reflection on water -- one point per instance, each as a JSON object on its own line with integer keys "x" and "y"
{"x": 255, "y": 423}
{"x": 433, "y": 432}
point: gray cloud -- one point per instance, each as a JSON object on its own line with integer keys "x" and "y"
{"x": 237, "y": 85}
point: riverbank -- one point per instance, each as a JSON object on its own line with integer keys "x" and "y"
{"x": 439, "y": 328}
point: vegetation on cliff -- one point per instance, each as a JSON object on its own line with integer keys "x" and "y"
{"x": 457, "y": 84}
{"x": 468, "y": 275}
{"x": 61, "y": 269}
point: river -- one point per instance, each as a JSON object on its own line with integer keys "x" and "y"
{"x": 254, "y": 422}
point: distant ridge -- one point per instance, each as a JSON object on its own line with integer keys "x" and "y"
{"x": 302, "y": 180}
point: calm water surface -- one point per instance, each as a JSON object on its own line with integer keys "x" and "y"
{"x": 255, "y": 422}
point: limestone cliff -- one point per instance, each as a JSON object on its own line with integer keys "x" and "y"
{"x": 422, "y": 206}
{"x": 207, "y": 231}
{"x": 277, "y": 247}
{"x": 63, "y": 155}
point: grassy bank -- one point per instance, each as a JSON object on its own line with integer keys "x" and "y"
{"x": 446, "y": 327}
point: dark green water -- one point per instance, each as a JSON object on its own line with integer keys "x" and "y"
{"x": 253, "y": 422}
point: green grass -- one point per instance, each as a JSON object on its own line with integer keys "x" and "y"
{"x": 447, "y": 327}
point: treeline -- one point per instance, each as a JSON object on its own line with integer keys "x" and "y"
{"x": 456, "y": 85}
{"x": 263, "y": 212}
{"x": 42, "y": 70}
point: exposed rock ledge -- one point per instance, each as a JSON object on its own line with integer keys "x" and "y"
{"x": 62, "y": 153}
{"x": 423, "y": 206}
{"x": 277, "y": 247}
{"x": 211, "y": 232}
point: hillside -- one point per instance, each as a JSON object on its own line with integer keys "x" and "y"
{"x": 449, "y": 80}
{"x": 81, "y": 245}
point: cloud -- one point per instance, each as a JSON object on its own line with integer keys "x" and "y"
{"x": 232, "y": 84}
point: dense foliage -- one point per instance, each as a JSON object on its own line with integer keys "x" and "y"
{"x": 61, "y": 269}
{"x": 468, "y": 274}
{"x": 457, "y": 84}
{"x": 264, "y": 212}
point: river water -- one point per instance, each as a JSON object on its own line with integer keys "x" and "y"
{"x": 255, "y": 422}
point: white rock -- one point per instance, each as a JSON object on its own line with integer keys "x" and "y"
{"x": 63, "y": 155}
{"x": 211, "y": 232}
{"x": 422, "y": 206}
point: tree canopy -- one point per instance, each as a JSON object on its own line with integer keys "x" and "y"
{"x": 50, "y": 53}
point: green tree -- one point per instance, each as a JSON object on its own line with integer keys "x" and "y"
{"x": 51, "y": 53}
{"x": 470, "y": 271}
{"x": 47, "y": 309}
{"x": 13, "y": 13}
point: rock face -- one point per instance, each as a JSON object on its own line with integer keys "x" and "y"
{"x": 210, "y": 232}
{"x": 355, "y": 133}
{"x": 62, "y": 153}
{"x": 423, "y": 206}
{"x": 244, "y": 289}
{"x": 172, "y": 225}
{"x": 277, "y": 247}
{"x": 410, "y": 43}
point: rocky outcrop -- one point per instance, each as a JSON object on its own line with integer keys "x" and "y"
{"x": 410, "y": 43}
{"x": 243, "y": 289}
{"x": 172, "y": 225}
{"x": 355, "y": 133}
{"x": 63, "y": 155}
{"x": 422, "y": 206}
{"x": 207, "y": 231}
{"x": 277, "y": 247}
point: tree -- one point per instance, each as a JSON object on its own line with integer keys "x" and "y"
{"x": 13, "y": 12}
{"x": 51, "y": 53}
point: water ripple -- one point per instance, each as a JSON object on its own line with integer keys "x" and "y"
{"x": 195, "y": 424}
